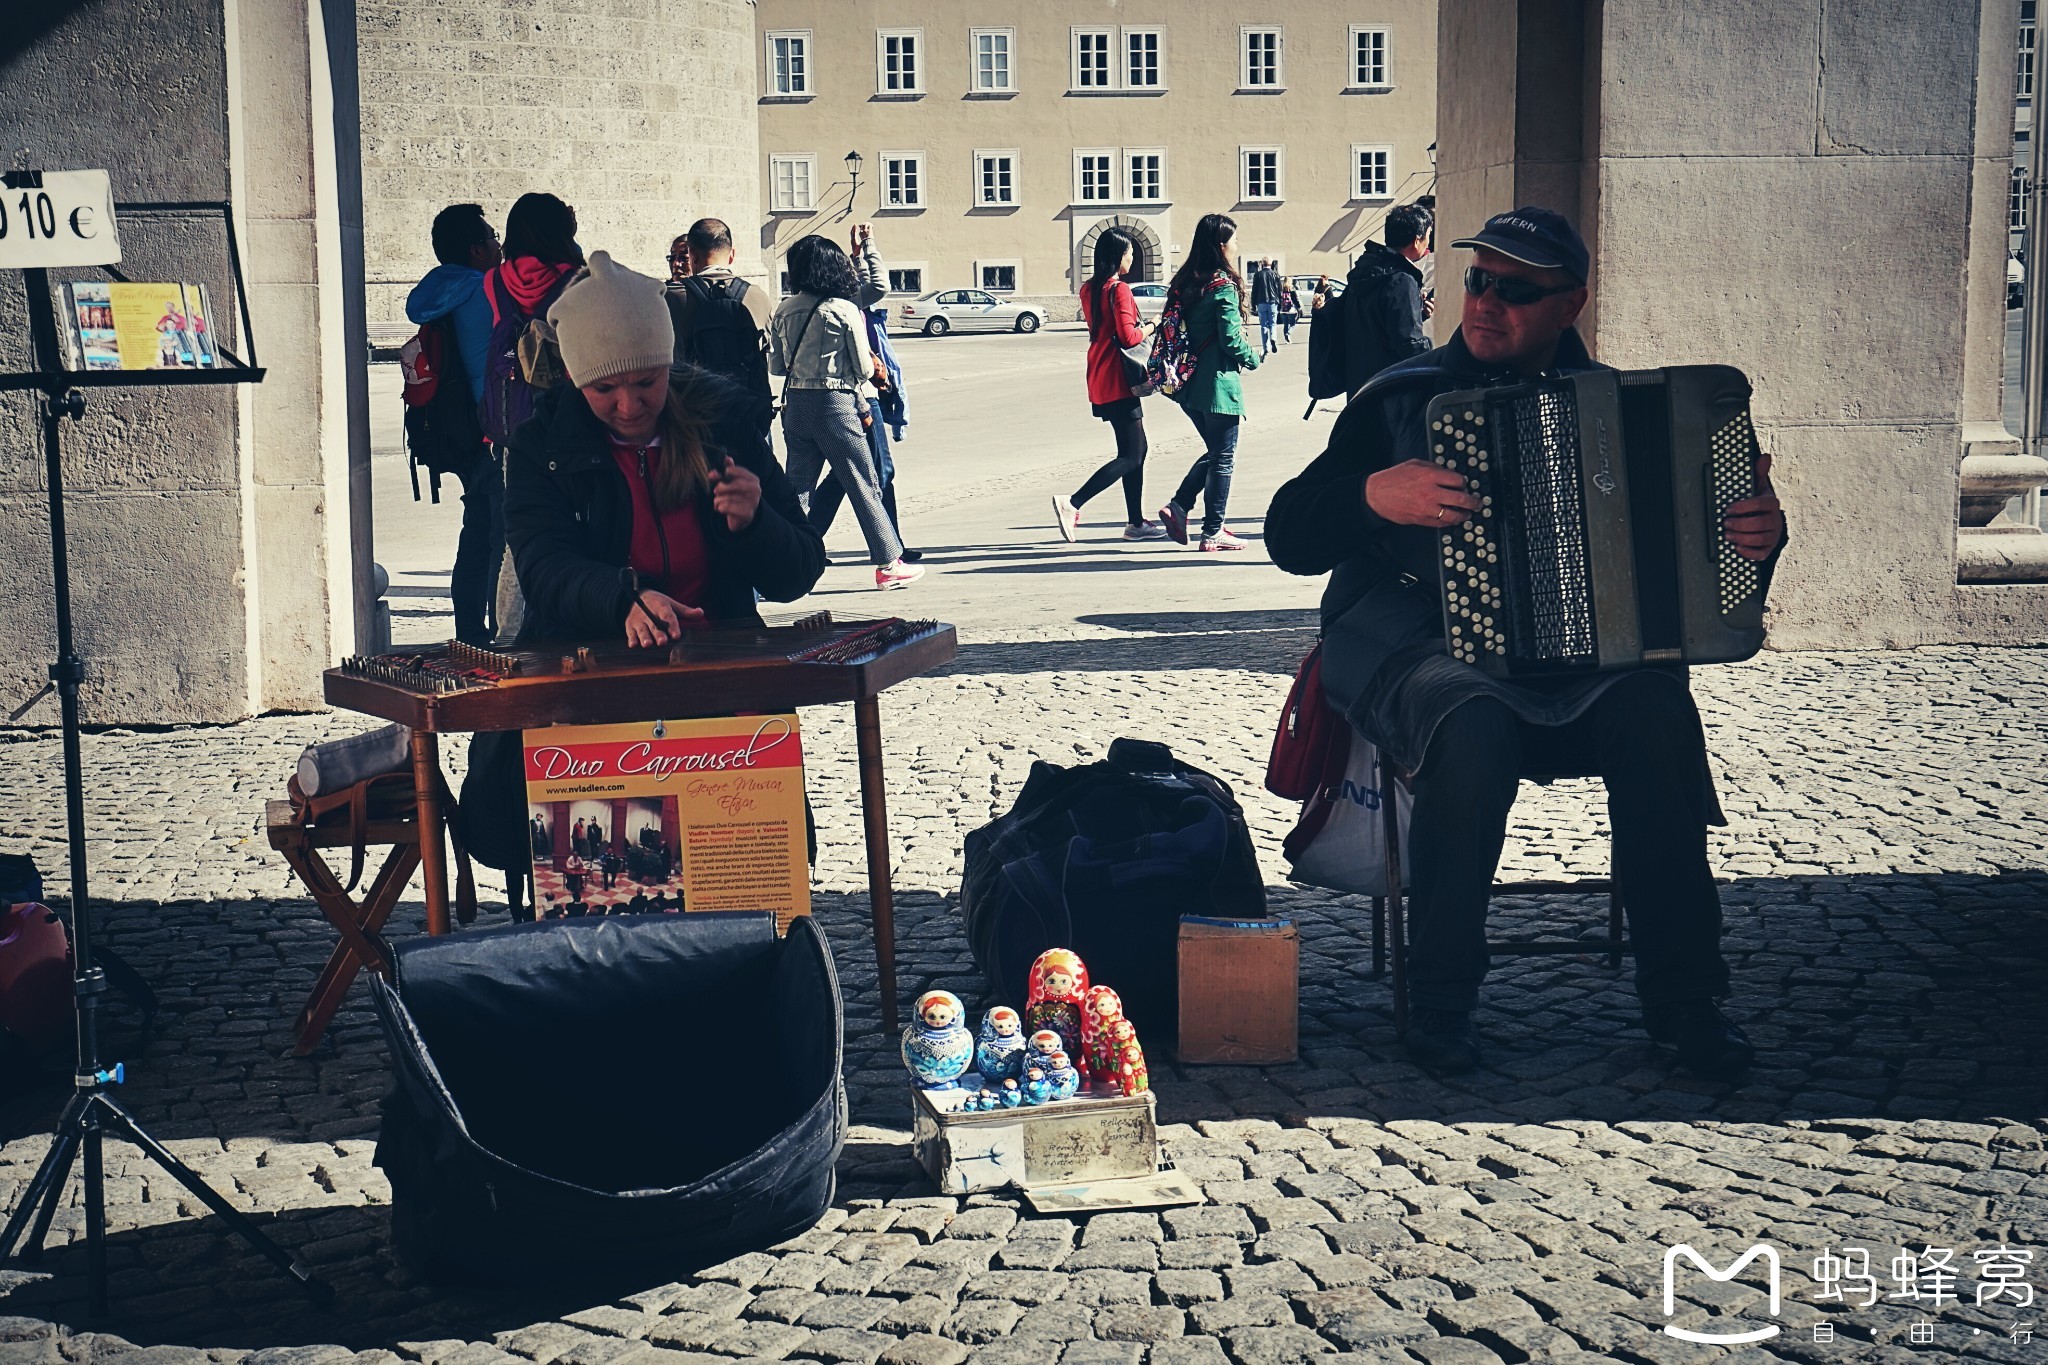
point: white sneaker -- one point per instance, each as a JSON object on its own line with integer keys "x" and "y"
{"x": 1066, "y": 516}
{"x": 897, "y": 574}
{"x": 1222, "y": 540}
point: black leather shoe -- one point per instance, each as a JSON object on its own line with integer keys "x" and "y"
{"x": 1441, "y": 1041}
{"x": 1707, "y": 1043}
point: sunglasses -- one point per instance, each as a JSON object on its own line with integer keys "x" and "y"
{"x": 1510, "y": 289}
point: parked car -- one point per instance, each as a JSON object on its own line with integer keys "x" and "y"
{"x": 1151, "y": 300}
{"x": 2015, "y": 282}
{"x": 945, "y": 310}
{"x": 1305, "y": 285}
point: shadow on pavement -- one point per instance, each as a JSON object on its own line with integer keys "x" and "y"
{"x": 1275, "y": 651}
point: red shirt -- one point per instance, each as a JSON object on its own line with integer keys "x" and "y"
{"x": 667, "y": 551}
{"x": 1117, "y": 328}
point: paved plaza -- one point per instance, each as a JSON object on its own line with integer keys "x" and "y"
{"x": 1886, "y": 895}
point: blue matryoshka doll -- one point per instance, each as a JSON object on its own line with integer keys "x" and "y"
{"x": 999, "y": 1054}
{"x": 937, "y": 1048}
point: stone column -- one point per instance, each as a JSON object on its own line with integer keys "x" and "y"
{"x": 1772, "y": 187}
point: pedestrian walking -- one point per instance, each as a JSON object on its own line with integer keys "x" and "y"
{"x": 1266, "y": 303}
{"x": 1210, "y": 293}
{"x": 818, "y": 342}
{"x": 1111, "y": 312}
{"x": 1290, "y": 312}
{"x": 888, "y": 409}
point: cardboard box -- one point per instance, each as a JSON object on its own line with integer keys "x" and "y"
{"x": 1086, "y": 1138}
{"x": 1240, "y": 991}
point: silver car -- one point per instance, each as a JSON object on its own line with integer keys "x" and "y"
{"x": 1151, "y": 300}
{"x": 968, "y": 310}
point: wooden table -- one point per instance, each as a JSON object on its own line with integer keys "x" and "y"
{"x": 713, "y": 673}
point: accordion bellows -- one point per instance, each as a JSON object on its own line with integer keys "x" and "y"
{"x": 1598, "y": 542}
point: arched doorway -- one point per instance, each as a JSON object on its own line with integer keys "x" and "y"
{"x": 1150, "y": 265}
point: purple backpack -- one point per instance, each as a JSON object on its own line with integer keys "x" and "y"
{"x": 509, "y": 392}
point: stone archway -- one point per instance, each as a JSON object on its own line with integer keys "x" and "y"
{"x": 1150, "y": 265}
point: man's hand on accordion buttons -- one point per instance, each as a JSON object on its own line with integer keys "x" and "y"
{"x": 1418, "y": 493}
{"x": 1755, "y": 525}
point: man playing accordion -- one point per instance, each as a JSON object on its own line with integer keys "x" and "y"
{"x": 1369, "y": 511}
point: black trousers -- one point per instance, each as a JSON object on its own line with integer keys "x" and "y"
{"x": 1642, "y": 737}
{"x": 473, "y": 584}
{"x": 1129, "y": 466}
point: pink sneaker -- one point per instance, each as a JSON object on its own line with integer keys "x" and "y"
{"x": 1222, "y": 540}
{"x": 1175, "y": 520}
{"x": 897, "y": 575}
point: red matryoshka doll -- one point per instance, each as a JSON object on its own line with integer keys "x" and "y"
{"x": 1130, "y": 1075}
{"x": 1058, "y": 986}
{"x": 1101, "y": 1011}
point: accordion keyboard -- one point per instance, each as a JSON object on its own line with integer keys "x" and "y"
{"x": 1473, "y": 573}
{"x": 1732, "y": 477}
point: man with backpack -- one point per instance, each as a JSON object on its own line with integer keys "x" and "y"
{"x": 720, "y": 319}
{"x": 445, "y": 388}
{"x": 1377, "y": 320}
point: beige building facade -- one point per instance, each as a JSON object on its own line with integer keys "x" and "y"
{"x": 997, "y": 140}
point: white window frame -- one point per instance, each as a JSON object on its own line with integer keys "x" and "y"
{"x": 1009, "y": 37}
{"x": 1158, "y": 36}
{"x": 809, "y": 160}
{"x": 981, "y": 199}
{"x": 1357, "y": 81}
{"x": 804, "y": 91}
{"x": 919, "y": 266}
{"x": 1017, "y": 285}
{"x": 1109, "y": 45}
{"x": 1358, "y": 186}
{"x": 2020, "y": 191}
{"x": 1110, "y": 154}
{"x": 1244, "y": 59}
{"x": 1244, "y": 175}
{"x": 917, "y": 63}
{"x": 1131, "y": 194}
{"x": 2024, "y": 73}
{"x": 882, "y": 191}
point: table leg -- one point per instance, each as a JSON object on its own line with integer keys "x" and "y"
{"x": 426, "y": 782}
{"x": 867, "y": 730}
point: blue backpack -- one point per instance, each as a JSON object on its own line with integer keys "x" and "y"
{"x": 520, "y": 361}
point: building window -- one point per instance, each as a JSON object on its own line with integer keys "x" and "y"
{"x": 2026, "y": 72}
{"x": 902, "y": 180}
{"x": 790, "y": 179}
{"x": 1141, "y": 59}
{"x": 1094, "y": 177}
{"x": 2016, "y": 205}
{"x": 992, "y": 72}
{"x": 906, "y": 279}
{"x": 998, "y": 277}
{"x": 1261, "y": 172}
{"x": 1372, "y": 172}
{"x": 995, "y": 179}
{"x": 789, "y": 63}
{"x": 1369, "y": 58}
{"x": 899, "y": 66}
{"x": 1145, "y": 175}
{"x": 1261, "y": 67}
{"x": 1092, "y": 69}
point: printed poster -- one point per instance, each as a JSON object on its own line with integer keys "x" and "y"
{"x": 129, "y": 326}
{"x": 666, "y": 816}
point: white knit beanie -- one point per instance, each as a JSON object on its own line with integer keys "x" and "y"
{"x": 611, "y": 320}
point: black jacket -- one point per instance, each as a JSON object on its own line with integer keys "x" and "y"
{"x": 1382, "y": 311}
{"x": 1265, "y": 286}
{"x": 569, "y": 518}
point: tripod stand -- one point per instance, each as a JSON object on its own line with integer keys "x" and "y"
{"x": 92, "y": 1112}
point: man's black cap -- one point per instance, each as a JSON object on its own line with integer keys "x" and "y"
{"x": 1534, "y": 236}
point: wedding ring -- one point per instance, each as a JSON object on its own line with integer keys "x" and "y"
{"x": 1439, "y": 514}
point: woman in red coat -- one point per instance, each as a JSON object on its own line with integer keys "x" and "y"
{"x": 1111, "y": 313}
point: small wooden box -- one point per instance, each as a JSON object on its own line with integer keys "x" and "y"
{"x": 1240, "y": 991}
{"x": 1087, "y": 1138}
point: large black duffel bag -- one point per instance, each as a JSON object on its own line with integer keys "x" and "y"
{"x": 609, "y": 1096}
{"x": 1105, "y": 859}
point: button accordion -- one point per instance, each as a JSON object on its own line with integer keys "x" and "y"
{"x": 1598, "y": 542}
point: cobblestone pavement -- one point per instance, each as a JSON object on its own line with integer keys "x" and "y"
{"x": 1887, "y": 911}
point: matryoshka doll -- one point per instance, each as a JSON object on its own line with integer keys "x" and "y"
{"x": 1132, "y": 1078}
{"x": 999, "y": 1054}
{"x": 1059, "y": 984}
{"x": 1100, "y": 1014}
{"x": 1065, "y": 1080}
{"x": 1037, "y": 1089}
{"x": 937, "y": 1047}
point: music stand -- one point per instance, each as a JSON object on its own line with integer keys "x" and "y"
{"x": 91, "y": 1110}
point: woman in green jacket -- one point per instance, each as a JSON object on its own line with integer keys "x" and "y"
{"x": 1210, "y": 292}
